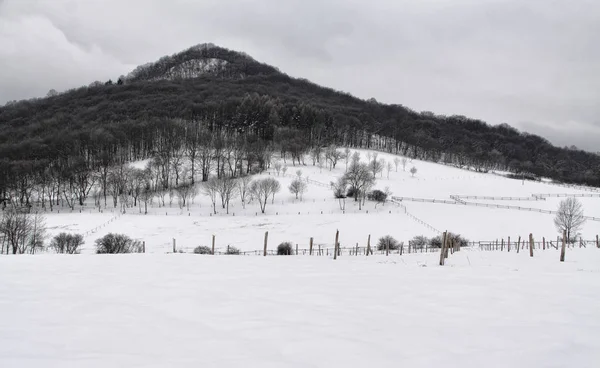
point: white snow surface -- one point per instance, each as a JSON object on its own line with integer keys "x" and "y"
{"x": 483, "y": 309}
{"x": 318, "y": 214}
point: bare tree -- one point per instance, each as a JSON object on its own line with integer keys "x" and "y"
{"x": 244, "y": 188}
{"x": 315, "y": 155}
{"x": 360, "y": 178}
{"x": 277, "y": 166}
{"x": 347, "y": 156}
{"x": 413, "y": 170}
{"x": 227, "y": 188}
{"x": 211, "y": 188}
{"x": 298, "y": 187}
{"x": 333, "y": 156}
{"x": 340, "y": 188}
{"x": 396, "y": 162}
{"x": 389, "y": 168}
{"x": 261, "y": 189}
{"x": 404, "y": 161}
{"x": 67, "y": 243}
{"x": 569, "y": 217}
{"x": 376, "y": 166}
{"x": 184, "y": 192}
{"x": 22, "y": 231}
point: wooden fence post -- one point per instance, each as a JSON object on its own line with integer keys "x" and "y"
{"x": 543, "y": 243}
{"x": 320, "y": 249}
{"x": 597, "y": 242}
{"x": 311, "y": 246}
{"x": 519, "y": 244}
{"x": 143, "y": 247}
{"x": 442, "y": 249}
{"x": 369, "y": 245}
{"x": 335, "y": 248}
{"x": 356, "y": 249}
{"x": 531, "y": 245}
{"x": 508, "y": 245}
{"x": 401, "y": 248}
{"x": 502, "y": 246}
{"x": 266, "y": 239}
{"x": 213, "y": 245}
{"x": 174, "y": 246}
{"x": 562, "y": 250}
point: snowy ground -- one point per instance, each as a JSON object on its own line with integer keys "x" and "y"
{"x": 484, "y": 309}
{"x": 318, "y": 214}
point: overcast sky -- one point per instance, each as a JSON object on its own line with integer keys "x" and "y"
{"x": 532, "y": 64}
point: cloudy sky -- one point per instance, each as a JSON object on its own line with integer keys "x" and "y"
{"x": 534, "y": 64}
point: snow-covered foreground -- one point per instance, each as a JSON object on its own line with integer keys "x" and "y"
{"x": 484, "y": 309}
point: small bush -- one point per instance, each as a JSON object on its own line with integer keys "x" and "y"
{"x": 203, "y": 249}
{"x": 384, "y": 241}
{"x": 284, "y": 249}
{"x": 232, "y": 250}
{"x": 436, "y": 242}
{"x": 67, "y": 243}
{"x": 117, "y": 243}
{"x": 377, "y": 196}
{"x": 419, "y": 242}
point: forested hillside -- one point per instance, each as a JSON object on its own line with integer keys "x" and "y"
{"x": 215, "y": 100}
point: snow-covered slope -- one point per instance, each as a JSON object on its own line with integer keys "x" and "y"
{"x": 318, "y": 214}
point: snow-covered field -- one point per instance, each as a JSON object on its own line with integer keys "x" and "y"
{"x": 483, "y": 309}
{"x": 318, "y": 214}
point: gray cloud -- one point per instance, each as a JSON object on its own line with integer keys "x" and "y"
{"x": 534, "y": 64}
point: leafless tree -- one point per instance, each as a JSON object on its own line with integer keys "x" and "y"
{"x": 277, "y": 166}
{"x": 298, "y": 187}
{"x": 396, "y": 162}
{"x": 569, "y": 217}
{"x": 360, "y": 178}
{"x": 340, "y": 188}
{"x": 227, "y": 188}
{"x": 333, "y": 156}
{"x": 389, "y": 168}
{"x": 184, "y": 192}
{"x": 211, "y": 188}
{"x": 315, "y": 155}
{"x": 244, "y": 188}
{"x": 376, "y": 166}
{"x": 284, "y": 170}
{"x": 261, "y": 189}
{"x": 347, "y": 156}
{"x": 413, "y": 170}
{"x": 23, "y": 232}
{"x": 404, "y": 161}
{"x": 67, "y": 243}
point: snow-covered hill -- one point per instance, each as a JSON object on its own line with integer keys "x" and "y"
{"x": 318, "y": 214}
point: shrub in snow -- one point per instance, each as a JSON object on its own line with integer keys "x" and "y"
{"x": 436, "y": 242}
{"x": 351, "y": 192}
{"x": 202, "y": 250}
{"x": 419, "y": 242}
{"x": 232, "y": 250}
{"x": 384, "y": 241}
{"x": 377, "y": 196}
{"x": 117, "y": 243}
{"x": 284, "y": 249}
{"x": 67, "y": 243}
